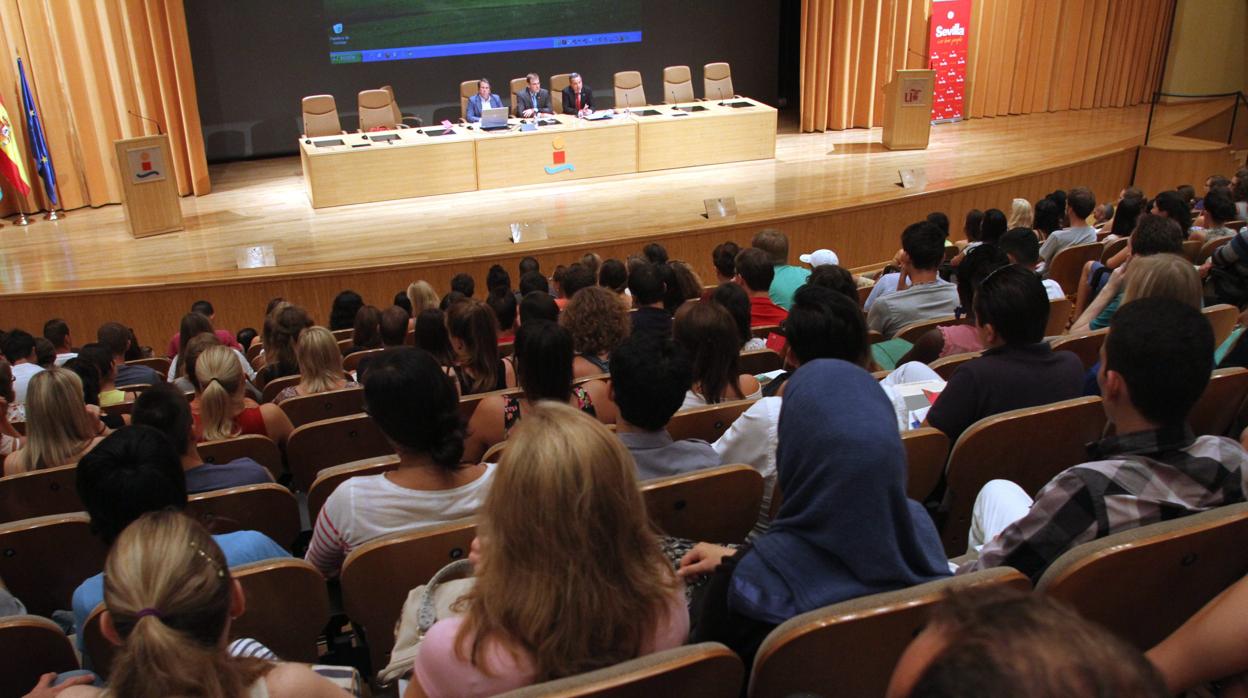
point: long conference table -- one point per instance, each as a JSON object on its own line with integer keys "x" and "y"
{"x": 404, "y": 163}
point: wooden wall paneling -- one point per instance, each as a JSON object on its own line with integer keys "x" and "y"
{"x": 1010, "y": 56}
{"x": 1026, "y": 56}
{"x": 1096, "y": 53}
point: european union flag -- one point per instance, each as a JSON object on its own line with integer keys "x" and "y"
{"x": 39, "y": 146}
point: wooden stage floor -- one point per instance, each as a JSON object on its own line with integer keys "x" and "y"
{"x": 263, "y": 203}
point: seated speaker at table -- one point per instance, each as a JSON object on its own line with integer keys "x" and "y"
{"x": 481, "y": 101}
{"x": 577, "y": 98}
{"x": 533, "y": 100}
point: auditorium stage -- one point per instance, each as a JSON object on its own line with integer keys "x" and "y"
{"x": 836, "y": 189}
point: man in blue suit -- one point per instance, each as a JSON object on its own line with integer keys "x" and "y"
{"x": 480, "y": 101}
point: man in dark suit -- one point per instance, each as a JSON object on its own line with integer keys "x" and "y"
{"x": 532, "y": 101}
{"x": 577, "y": 99}
{"x": 481, "y": 101}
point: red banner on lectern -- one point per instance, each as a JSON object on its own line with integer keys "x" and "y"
{"x": 947, "y": 43}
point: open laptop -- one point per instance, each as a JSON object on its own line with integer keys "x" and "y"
{"x": 494, "y": 119}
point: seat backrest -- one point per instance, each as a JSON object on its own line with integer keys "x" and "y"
{"x": 352, "y": 361}
{"x": 762, "y": 331}
{"x": 854, "y": 645}
{"x": 269, "y": 508}
{"x": 989, "y": 450}
{"x": 719, "y": 505}
{"x": 376, "y": 110}
{"x": 629, "y": 92}
{"x": 159, "y": 364}
{"x": 277, "y": 385}
{"x": 759, "y": 361}
{"x": 945, "y": 366}
{"x": 257, "y": 447}
{"x": 927, "y": 450}
{"x": 468, "y": 403}
{"x": 42, "y": 560}
{"x": 1068, "y": 264}
{"x": 377, "y": 576}
{"x": 914, "y": 330}
{"x": 342, "y": 334}
{"x": 328, "y": 479}
{"x": 1059, "y": 316}
{"x": 707, "y": 423}
{"x": 39, "y": 493}
{"x": 717, "y": 81}
{"x": 1144, "y": 583}
{"x": 707, "y": 669}
{"x": 1207, "y": 249}
{"x": 394, "y": 104}
{"x": 1085, "y": 345}
{"x": 1113, "y": 248}
{"x": 98, "y": 647}
{"x": 31, "y": 646}
{"x": 1219, "y": 405}
{"x": 677, "y": 84}
{"x": 517, "y": 84}
{"x": 320, "y": 116}
{"x": 313, "y": 447}
{"x": 287, "y": 607}
{"x": 467, "y": 89}
{"x": 1191, "y": 250}
{"x": 1222, "y": 317}
{"x": 306, "y": 409}
{"x": 557, "y": 84}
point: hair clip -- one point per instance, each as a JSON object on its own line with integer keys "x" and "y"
{"x": 204, "y": 554}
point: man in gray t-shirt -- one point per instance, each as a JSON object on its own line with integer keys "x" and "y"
{"x": 1080, "y": 203}
{"x": 926, "y": 296}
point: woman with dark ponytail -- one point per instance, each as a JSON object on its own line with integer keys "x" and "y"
{"x": 169, "y": 600}
{"x": 414, "y": 403}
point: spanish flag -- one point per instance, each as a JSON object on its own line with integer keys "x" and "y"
{"x": 10, "y": 157}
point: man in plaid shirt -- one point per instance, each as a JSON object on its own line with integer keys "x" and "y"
{"x": 1155, "y": 364}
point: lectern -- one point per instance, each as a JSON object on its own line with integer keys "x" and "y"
{"x": 149, "y": 190}
{"x": 908, "y": 109}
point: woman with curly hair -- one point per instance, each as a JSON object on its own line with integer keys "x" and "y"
{"x": 598, "y": 322}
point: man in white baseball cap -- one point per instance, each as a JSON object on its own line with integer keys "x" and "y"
{"x": 819, "y": 258}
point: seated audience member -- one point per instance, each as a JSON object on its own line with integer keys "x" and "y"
{"x": 422, "y": 297}
{"x": 402, "y": 302}
{"x": 724, "y": 258}
{"x": 366, "y": 332}
{"x": 1018, "y": 368}
{"x": 533, "y": 281}
{"x": 463, "y": 283}
{"x": 655, "y": 253}
{"x": 1225, "y": 273}
{"x": 1021, "y": 215}
{"x": 754, "y": 273}
{"x": 281, "y": 329}
{"x": 576, "y": 277}
{"x": 193, "y": 325}
{"x": 1126, "y": 216}
{"x": 709, "y": 337}
{"x": 133, "y": 471}
{"x": 429, "y": 486}
{"x": 503, "y": 303}
{"x": 482, "y": 100}
{"x": 10, "y": 438}
{"x": 165, "y": 409}
{"x": 135, "y": 350}
{"x": 432, "y": 336}
{"x": 591, "y": 261}
{"x": 1048, "y": 217}
{"x": 1079, "y": 205}
{"x": 683, "y": 284}
{"x": 169, "y": 599}
{"x": 102, "y": 358}
{"x": 613, "y": 275}
{"x": 224, "y": 412}
{"x": 19, "y": 351}
{"x": 975, "y": 644}
{"x": 925, "y": 295}
{"x": 1153, "y": 469}
{"x": 993, "y": 226}
{"x": 497, "y": 277}
{"x": 89, "y": 375}
{"x": 836, "y": 278}
{"x": 1021, "y": 247}
{"x": 246, "y": 337}
{"x": 1219, "y": 209}
{"x": 45, "y": 353}
{"x": 785, "y": 278}
{"x": 1170, "y": 204}
{"x": 1153, "y": 235}
{"x": 597, "y": 322}
{"x": 394, "y": 324}
{"x": 733, "y": 298}
{"x": 473, "y": 331}
{"x": 556, "y": 282}
{"x": 972, "y": 227}
{"x": 59, "y": 427}
{"x": 844, "y": 529}
{"x": 57, "y": 332}
{"x": 543, "y": 362}
{"x": 1209, "y": 647}
{"x": 520, "y": 624}
{"x": 948, "y": 340}
{"x": 198, "y": 345}
{"x": 344, "y": 309}
{"x": 538, "y": 305}
{"x": 320, "y": 365}
{"x": 203, "y": 308}
{"x": 648, "y": 386}
{"x": 646, "y": 287}
{"x": 940, "y": 220}
{"x": 529, "y": 264}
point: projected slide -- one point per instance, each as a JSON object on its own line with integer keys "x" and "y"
{"x": 366, "y": 31}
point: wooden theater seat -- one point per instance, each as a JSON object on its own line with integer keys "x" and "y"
{"x": 707, "y": 423}
{"x": 927, "y": 450}
{"x": 706, "y": 670}
{"x": 719, "y": 505}
{"x": 42, "y": 560}
{"x": 259, "y": 448}
{"x": 313, "y": 447}
{"x": 306, "y": 409}
{"x": 39, "y": 493}
{"x": 31, "y": 646}
{"x": 269, "y": 508}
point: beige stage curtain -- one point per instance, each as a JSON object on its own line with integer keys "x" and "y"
{"x": 1025, "y": 55}
{"x": 89, "y": 63}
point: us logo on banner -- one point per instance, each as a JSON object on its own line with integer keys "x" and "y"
{"x": 947, "y": 46}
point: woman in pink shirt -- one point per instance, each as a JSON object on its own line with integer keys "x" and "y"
{"x": 575, "y": 584}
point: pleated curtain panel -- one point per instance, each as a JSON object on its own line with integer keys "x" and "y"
{"x": 90, "y": 63}
{"x": 1026, "y": 56}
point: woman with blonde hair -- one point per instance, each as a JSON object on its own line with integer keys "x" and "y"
{"x": 598, "y": 322}
{"x": 320, "y": 365}
{"x": 422, "y": 296}
{"x": 220, "y": 408}
{"x": 614, "y": 597}
{"x": 169, "y": 599}
{"x": 59, "y": 427}
{"x": 1164, "y": 276}
{"x": 1021, "y": 215}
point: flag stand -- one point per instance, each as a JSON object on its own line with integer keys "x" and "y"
{"x": 52, "y": 215}
{"x": 22, "y": 220}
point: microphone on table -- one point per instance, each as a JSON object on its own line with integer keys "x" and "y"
{"x": 626, "y": 105}
{"x": 677, "y": 107}
{"x": 721, "y": 94}
{"x": 159, "y": 131}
